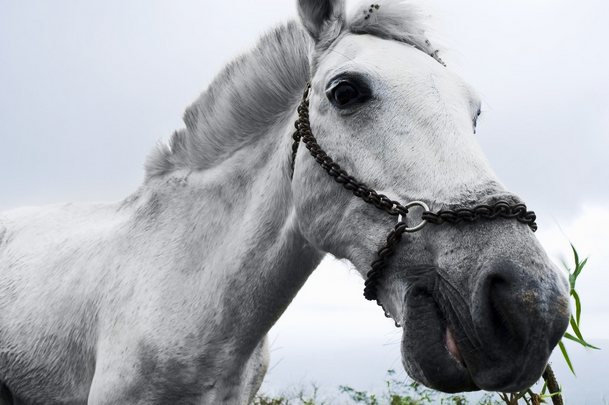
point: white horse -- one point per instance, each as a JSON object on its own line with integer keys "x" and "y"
{"x": 167, "y": 297}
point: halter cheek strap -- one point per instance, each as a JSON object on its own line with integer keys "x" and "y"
{"x": 501, "y": 209}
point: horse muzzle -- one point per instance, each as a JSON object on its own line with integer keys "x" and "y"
{"x": 496, "y": 335}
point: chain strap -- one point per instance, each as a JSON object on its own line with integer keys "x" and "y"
{"x": 361, "y": 190}
{"x": 501, "y": 209}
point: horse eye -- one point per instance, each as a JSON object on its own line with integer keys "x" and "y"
{"x": 344, "y": 93}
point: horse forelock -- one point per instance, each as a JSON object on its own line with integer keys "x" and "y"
{"x": 246, "y": 98}
{"x": 399, "y": 20}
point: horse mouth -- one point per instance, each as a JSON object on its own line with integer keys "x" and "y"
{"x": 431, "y": 352}
{"x": 452, "y": 346}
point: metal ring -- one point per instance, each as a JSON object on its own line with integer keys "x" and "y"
{"x": 423, "y": 222}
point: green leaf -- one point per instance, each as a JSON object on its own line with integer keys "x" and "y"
{"x": 579, "y": 335}
{"x": 582, "y": 264}
{"x": 544, "y": 388}
{"x": 579, "y": 268}
{"x": 552, "y": 394}
{"x": 578, "y": 306}
{"x": 566, "y": 356}
{"x": 580, "y": 341}
{"x": 575, "y": 254}
{"x": 575, "y": 328}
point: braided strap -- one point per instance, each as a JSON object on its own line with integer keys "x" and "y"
{"x": 303, "y": 132}
{"x": 376, "y": 273}
{"x": 501, "y": 209}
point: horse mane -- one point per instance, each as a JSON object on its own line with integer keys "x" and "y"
{"x": 251, "y": 92}
{"x": 243, "y": 100}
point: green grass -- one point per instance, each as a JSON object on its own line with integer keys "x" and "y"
{"x": 575, "y": 320}
{"x": 396, "y": 392}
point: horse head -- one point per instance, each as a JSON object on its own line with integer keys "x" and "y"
{"x": 480, "y": 303}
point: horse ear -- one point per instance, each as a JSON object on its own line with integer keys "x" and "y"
{"x": 322, "y": 17}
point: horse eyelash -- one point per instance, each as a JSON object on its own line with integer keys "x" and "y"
{"x": 476, "y": 119}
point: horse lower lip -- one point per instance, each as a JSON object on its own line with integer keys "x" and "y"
{"x": 451, "y": 345}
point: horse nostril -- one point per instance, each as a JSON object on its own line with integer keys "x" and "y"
{"x": 500, "y": 316}
{"x": 517, "y": 324}
{"x": 500, "y": 313}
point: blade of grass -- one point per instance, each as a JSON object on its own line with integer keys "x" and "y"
{"x": 544, "y": 388}
{"x": 580, "y": 341}
{"x": 580, "y": 267}
{"x": 578, "y": 306}
{"x": 566, "y": 356}
{"x": 579, "y": 334}
{"x": 575, "y": 328}
{"x": 575, "y": 254}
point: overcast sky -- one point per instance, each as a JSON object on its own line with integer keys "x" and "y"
{"x": 87, "y": 88}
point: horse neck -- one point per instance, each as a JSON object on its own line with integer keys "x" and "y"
{"x": 233, "y": 229}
